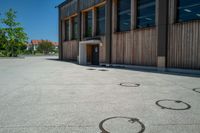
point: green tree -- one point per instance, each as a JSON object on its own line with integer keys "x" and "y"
{"x": 2, "y": 41}
{"x": 13, "y": 38}
{"x": 45, "y": 47}
{"x": 2, "y": 38}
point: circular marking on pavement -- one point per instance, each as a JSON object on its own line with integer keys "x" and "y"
{"x": 166, "y": 103}
{"x": 121, "y": 122}
{"x": 196, "y": 90}
{"x": 128, "y": 84}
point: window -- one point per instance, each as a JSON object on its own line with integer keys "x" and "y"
{"x": 75, "y": 28}
{"x": 123, "y": 15}
{"x": 188, "y": 10}
{"x": 146, "y": 13}
{"x": 88, "y": 24}
{"x": 66, "y": 30}
{"x": 101, "y": 20}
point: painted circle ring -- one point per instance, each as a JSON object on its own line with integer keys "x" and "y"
{"x": 187, "y": 106}
{"x": 196, "y": 90}
{"x": 132, "y": 120}
{"x": 129, "y": 84}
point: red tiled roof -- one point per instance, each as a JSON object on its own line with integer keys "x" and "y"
{"x": 55, "y": 43}
{"x": 36, "y": 42}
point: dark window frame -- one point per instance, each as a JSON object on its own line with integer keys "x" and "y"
{"x": 74, "y": 28}
{"x": 98, "y": 20}
{"x": 178, "y": 14}
{"x": 67, "y": 28}
{"x": 87, "y": 32}
{"x": 120, "y": 15}
{"x": 152, "y": 21}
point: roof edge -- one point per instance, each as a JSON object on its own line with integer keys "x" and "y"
{"x": 63, "y": 3}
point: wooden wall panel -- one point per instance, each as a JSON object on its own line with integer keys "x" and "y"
{"x": 183, "y": 42}
{"x": 137, "y": 47}
{"x": 70, "y": 50}
{"x": 69, "y": 9}
{"x": 184, "y": 45}
{"x": 102, "y": 54}
{"x": 89, "y": 3}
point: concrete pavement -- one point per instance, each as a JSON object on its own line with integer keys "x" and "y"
{"x": 43, "y": 95}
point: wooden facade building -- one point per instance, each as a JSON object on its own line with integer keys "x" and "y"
{"x": 158, "y": 33}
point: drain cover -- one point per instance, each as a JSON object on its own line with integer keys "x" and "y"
{"x": 196, "y": 90}
{"x": 128, "y": 84}
{"x": 91, "y": 69}
{"x": 173, "y": 104}
{"x": 121, "y": 124}
{"x": 103, "y": 70}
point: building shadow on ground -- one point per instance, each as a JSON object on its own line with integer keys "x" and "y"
{"x": 142, "y": 69}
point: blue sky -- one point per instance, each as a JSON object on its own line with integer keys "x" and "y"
{"x": 38, "y": 17}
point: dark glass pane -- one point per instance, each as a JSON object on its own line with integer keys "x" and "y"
{"x": 145, "y": 13}
{"x": 123, "y": 15}
{"x": 66, "y": 30}
{"x": 75, "y": 28}
{"x": 88, "y": 24}
{"x": 101, "y": 20}
{"x": 188, "y": 10}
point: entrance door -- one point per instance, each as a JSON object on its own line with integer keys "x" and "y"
{"x": 95, "y": 55}
{"x": 89, "y": 54}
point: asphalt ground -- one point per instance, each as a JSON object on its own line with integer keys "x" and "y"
{"x": 44, "y": 95}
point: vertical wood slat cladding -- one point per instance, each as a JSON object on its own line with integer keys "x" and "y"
{"x": 70, "y": 50}
{"x": 102, "y": 54}
{"x": 89, "y": 3}
{"x": 69, "y": 9}
{"x": 183, "y": 45}
{"x": 183, "y": 42}
{"x": 137, "y": 47}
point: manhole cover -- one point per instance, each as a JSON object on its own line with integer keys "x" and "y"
{"x": 91, "y": 69}
{"x": 120, "y": 124}
{"x": 173, "y": 104}
{"x": 196, "y": 90}
{"x": 128, "y": 84}
{"x": 103, "y": 70}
